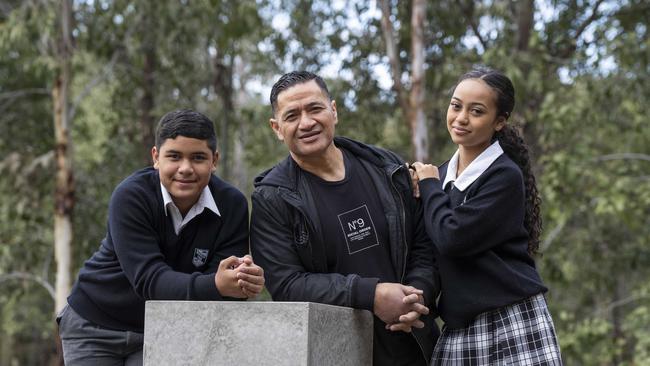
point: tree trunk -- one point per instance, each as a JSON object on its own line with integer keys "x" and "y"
{"x": 147, "y": 100}
{"x": 419, "y": 136}
{"x": 412, "y": 104}
{"x": 224, "y": 90}
{"x": 64, "y": 193}
{"x": 147, "y": 103}
{"x": 525, "y": 13}
{"x": 64, "y": 183}
{"x": 393, "y": 56}
{"x": 239, "y": 150}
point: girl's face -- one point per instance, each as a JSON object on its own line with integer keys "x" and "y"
{"x": 472, "y": 115}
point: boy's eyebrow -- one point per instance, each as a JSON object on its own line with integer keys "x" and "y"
{"x": 172, "y": 151}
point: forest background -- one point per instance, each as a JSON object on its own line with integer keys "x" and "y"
{"x": 82, "y": 84}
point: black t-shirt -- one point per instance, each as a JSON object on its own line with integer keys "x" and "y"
{"x": 353, "y": 224}
{"x": 355, "y": 233}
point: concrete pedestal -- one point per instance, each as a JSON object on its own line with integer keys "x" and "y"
{"x": 255, "y": 333}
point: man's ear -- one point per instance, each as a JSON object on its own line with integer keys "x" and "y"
{"x": 154, "y": 157}
{"x": 275, "y": 126}
{"x": 336, "y": 117}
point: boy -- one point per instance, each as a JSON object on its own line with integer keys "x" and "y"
{"x": 175, "y": 232}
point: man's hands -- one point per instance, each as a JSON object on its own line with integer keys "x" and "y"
{"x": 399, "y": 306}
{"x": 239, "y": 277}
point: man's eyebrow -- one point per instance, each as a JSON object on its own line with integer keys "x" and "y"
{"x": 315, "y": 103}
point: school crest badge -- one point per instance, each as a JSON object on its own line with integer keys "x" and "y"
{"x": 200, "y": 257}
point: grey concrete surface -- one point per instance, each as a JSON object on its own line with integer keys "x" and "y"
{"x": 255, "y": 333}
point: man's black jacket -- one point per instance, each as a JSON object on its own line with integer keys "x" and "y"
{"x": 286, "y": 237}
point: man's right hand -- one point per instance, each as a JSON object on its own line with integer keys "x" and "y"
{"x": 393, "y": 300}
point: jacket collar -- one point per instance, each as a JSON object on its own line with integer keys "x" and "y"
{"x": 286, "y": 173}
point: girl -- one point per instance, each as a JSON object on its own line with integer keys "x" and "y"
{"x": 485, "y": 225}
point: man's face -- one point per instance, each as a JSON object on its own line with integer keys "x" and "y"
{"x": 305, "y": 120}
{"x": 185, "y": 165}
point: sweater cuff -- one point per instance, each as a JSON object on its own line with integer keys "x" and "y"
{"x": 205, "y": 288}
{"x": 363, "y": 293}
{"x": 430, "y": 184}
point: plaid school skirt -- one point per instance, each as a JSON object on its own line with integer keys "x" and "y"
{"x": 517, "y": 334}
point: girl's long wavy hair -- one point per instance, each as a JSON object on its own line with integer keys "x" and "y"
{"x": 513, "y": 145}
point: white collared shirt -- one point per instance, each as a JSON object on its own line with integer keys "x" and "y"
{"x": 475, "y": 168}
{"x": 205, "y": 201}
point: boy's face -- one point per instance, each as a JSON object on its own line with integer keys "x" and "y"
{"x": 185, "y": 165}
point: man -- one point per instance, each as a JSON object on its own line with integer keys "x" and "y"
{"x": 336, "y": 223}
{"x": 175, "y": 232}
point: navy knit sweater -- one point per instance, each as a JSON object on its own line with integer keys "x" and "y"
{"x": 142, "y": 258}
{"x": 480, "y": 242}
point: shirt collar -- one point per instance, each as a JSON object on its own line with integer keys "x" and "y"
{"x": 475, "y": 168}
{"x": 205, "y": 200}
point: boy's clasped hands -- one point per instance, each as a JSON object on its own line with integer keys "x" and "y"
{"x": 239, "y": 277}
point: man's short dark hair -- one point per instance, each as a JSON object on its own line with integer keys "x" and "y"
{"x": 292, "y": 78}
{"x": 187, "y": 123}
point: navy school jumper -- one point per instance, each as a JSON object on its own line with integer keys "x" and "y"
{"x": 141, "y": 258}
{"x": 480, "y": 242}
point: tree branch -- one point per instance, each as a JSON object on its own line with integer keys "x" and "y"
{"x": 568, "y": 51}
{"x": 589, "y": 20}
{"x": 100, "y": 77}
{"x": 611, "y": 306}
{"x": 555, "y": 232}
{"x": 623, "y": 156}
{"x": 469, "y": 15}
{"x": 29, "y": 277}
{"x": 19, "y": 93}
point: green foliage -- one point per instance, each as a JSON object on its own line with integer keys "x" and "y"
{"x": 581, "y": 99}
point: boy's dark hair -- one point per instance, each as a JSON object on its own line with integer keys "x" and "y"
{"x": 188, "y": 123}
{"x": 292, "y": 78}
{"x": 514, "y": 146}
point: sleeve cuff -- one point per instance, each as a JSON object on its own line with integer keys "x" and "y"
{"x": 363, "y": 293}
{"x": 429, "y": 184}
{"x": 205, "y": 288}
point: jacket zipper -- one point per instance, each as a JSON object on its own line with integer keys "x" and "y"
{"x": 403, "y": 218}
{"x": 406, "y": 248}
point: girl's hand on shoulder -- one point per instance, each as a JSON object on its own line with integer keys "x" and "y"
{"x": 414, "y": 180}
{"x": 425, "y": 171}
